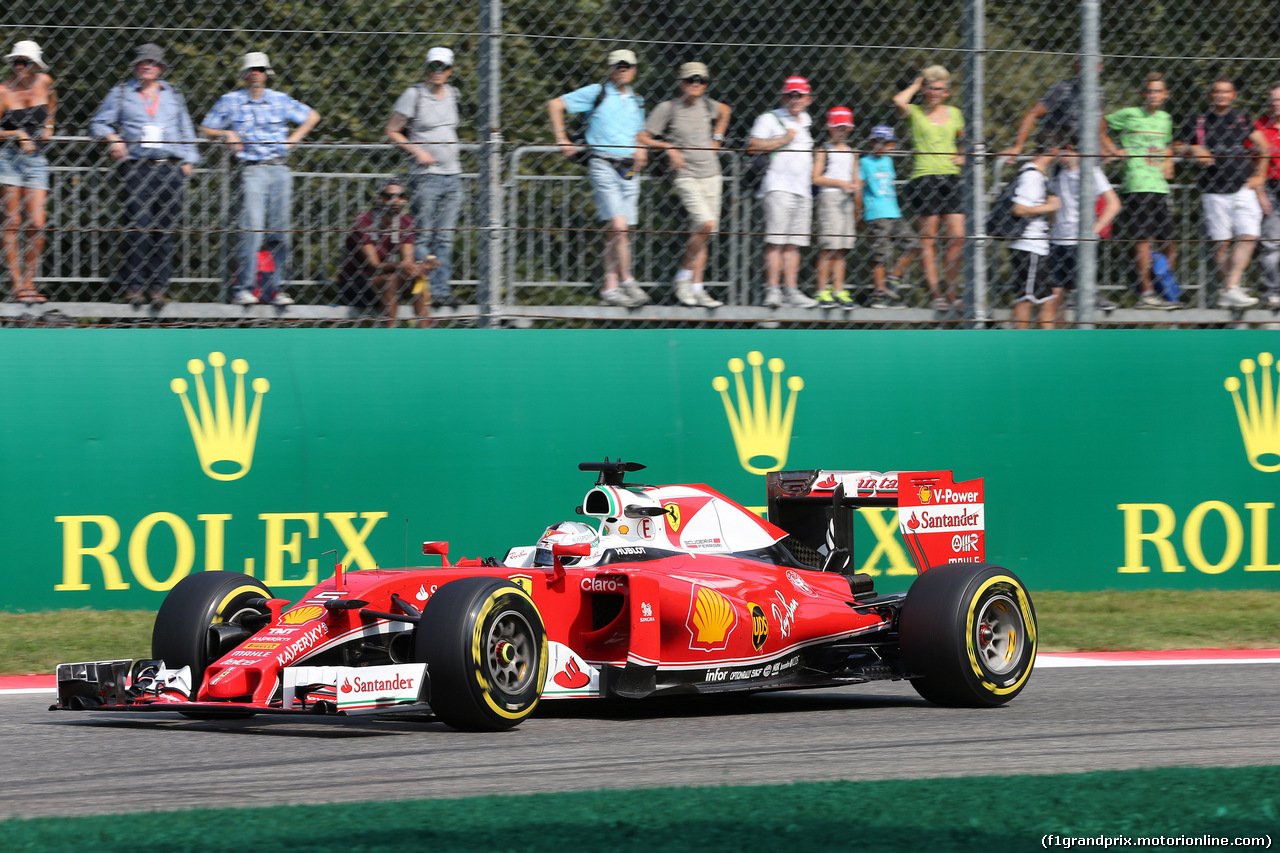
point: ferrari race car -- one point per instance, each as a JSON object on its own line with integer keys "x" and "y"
{"x": 662, "y": 590}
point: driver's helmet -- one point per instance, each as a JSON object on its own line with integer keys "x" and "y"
{"x": 562, "y": 533}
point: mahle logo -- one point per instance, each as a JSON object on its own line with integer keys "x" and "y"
{"x": 224, "y": 435}
{"x": 761, "y": 427}
{"x": 1257, "y": 414}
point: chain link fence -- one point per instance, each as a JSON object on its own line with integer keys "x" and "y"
{"x": 528, "y": 249}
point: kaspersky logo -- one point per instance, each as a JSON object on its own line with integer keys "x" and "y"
{"x": 224, "y": 435}
{"x": 761, "y": 427}
{"x": 1257, "y": 413}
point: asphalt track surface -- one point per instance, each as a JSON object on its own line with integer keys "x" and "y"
{"x": 1067, "y": 720}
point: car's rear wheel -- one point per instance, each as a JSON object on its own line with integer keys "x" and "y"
{"x": 968, "y": 635}
{"x": 486, "y": 653}
{"x": 203, "y": 617}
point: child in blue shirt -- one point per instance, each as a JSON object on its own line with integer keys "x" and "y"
{"x": 884, "y": 223}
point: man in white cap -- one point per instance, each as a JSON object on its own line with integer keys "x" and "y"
{"x": 787, "y": 190}
{"x": 690, "y": 129}
{"x": 151, "y": 135}
{"x": 424, "y": 124}
{"x": 616, "y": 117}
{"x": 255, "y": 121}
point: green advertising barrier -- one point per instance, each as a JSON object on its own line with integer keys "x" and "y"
{"x": 132, "y": 458}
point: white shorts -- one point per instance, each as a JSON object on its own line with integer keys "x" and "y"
{"x": 788, "y": 218}
{"x": 702, "y": 198}
{"x": 836, "y": 225}
{"x": 1236, "y": 214}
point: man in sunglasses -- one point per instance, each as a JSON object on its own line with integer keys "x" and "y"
{"x": 255, "y": 121}
{"x": 379, "y": 261}
{"x": 424, "y": 124}
{"x": 690, "y": 129}
{"x": 616, "y": 118}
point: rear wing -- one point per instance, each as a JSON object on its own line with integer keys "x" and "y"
{"x": 941, "y": 521}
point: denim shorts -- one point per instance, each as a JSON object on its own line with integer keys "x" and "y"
{"x": 30, "y": 171}
{"x": 615, "y": 195}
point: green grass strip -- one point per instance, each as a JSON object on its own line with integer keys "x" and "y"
{"x": 934, "y": 815}
{"x": 1069, "y": 621}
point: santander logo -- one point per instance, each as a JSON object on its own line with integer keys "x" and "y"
{"x": 572, "y": 676}
{"x": 346, "y": 685}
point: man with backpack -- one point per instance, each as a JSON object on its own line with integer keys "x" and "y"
{"x": 424, "y": 124}
{"x": 615, "y": 119}
{"x": 689, "y": 131}
{"x": 1029, "y": 252}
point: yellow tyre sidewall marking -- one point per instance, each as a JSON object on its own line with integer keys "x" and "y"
{"x": 477, "y": 654}
{"x": 1028, "y": 621}
{"x": 221, "y": 608}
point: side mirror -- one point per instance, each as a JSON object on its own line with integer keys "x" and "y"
{"x": 440, "y": 548}
{"x": 582, "y": 549}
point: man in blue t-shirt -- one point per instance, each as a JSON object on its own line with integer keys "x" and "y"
{"x": 616, "y": 118}
{"x": 884, "y": 223}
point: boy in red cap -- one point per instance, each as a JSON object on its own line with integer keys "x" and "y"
{"x": 835, "y": 173}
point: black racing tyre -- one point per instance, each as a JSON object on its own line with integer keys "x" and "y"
{"x": 968, "y": 635}
{"x": 486, "y": 653}
{"x": 181, "y": 636}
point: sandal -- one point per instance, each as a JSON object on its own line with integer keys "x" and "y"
{"x": 29, "y": 296}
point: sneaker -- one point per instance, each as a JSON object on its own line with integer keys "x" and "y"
{"x": 1273, "y": 301}
{"x": 886, "y": 299}
{"x": 940, "y": 304}
{"x": 1235, "y": 297}
{"x": 684, "y": 294}
{"x": 796, "y": 299}
{"x": 772, "y": 297}
{"x": 958, "y": 305}
{"x": 158, "y": 299}
{"x": 1154, "y": 301}
{"x": 135, "y": 298}
{"x": 281, "y": 298}
{"x": 616, "y": 297}
{"x": 1102, "y": 303}
{"x": 244, "y": 297}
{"x": 704, "y": 300}
{"x": 634, "y": 292}
{"x": 825, "y": 299}
{"x": 844, "y": 300}
{"x": 446, "y": 301}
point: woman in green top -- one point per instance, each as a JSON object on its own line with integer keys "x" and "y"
{"x": 934, "y": 189}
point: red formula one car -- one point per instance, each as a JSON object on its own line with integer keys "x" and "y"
{"x": 669, "y": 590}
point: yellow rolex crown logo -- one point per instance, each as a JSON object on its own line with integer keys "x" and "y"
{"x": 760, "y": 426}
{"x": 1257, "y": 414}
{"x": 223, "y": 433}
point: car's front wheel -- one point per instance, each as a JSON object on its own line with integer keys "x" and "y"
{"x": 486, "y": 653}
{"x": 968, "y": 635}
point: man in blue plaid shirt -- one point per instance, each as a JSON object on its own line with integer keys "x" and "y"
{"x": 255, "y": 120}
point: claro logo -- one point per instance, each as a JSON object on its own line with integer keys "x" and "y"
{"x": 610, "y": 583}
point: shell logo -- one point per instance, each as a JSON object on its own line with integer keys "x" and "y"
{"x": 711, "y": 620}
{"x": 301, "y": 614}
{"x": 926, "y": 494}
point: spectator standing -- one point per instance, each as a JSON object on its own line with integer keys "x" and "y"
{"x": 1269, "y": 127}
{"x": 884, "y": 223}
{"x": 1145, "y": 134}
{"x": 424, "y": 124}
{"x": 616, "y": 118}
{"x": 255, "y": 121}
{"x": 379, "y": 260}
{"x": 934, "y": 191}
{"x": 1231, "y": 182}
{"x": 690, "y": 129}
{"x": 153, "y": 138}
{"x": 835, "y": 173}
{"x": 1064, "y": 235}
{"x": 28, "y": 103}
{"x": 1058, "y": 111}
{"x": 1028, "y": 255}
{"x": 787, "y": 190}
